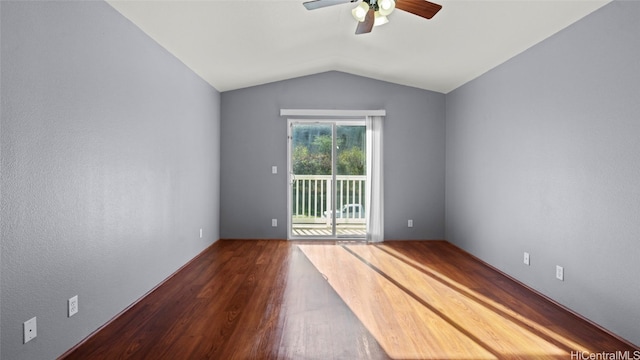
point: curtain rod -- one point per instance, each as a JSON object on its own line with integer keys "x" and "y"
{"x": 332, "y": 112}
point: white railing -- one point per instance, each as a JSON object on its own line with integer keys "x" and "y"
{"x": 311, "y": 195}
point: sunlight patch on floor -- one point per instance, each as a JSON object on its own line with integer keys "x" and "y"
{"x": 489, "y": 303}
{"x": 416, "y": 315}
{"x": 412, "y": 331}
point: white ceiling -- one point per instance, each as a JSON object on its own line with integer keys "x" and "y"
{"x": 240, "y": 43}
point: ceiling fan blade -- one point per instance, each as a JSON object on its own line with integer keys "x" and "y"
{"x": 367, "y": 25}
{"x": 316, "y": 4}
{"x": 421, "y": 8}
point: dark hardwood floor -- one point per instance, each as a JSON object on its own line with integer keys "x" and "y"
{"x": 270, "y": 299}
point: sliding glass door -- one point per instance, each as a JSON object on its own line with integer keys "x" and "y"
{"x": 327, "y": 169}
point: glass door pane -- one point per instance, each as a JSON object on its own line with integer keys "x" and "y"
{"x": 311, "y": 165}
{"x": 350, "y": 180}
{"x": 327, "y": 179}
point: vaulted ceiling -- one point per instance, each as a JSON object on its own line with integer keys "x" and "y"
{"x": 240, "y": 43}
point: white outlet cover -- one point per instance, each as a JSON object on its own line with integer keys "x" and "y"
{"x": 274, "y": 169}
{"x": 410, "y": 223}
{"x": 73, "y": 306}
{"x": 30, "y": 329}
{"x": 559, "y": 273}
{"x": 274, "y": 222}
{"x": 526, "y": 258}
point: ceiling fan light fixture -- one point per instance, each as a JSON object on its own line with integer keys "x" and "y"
{"x": 360, "y": 11}
{"x": 380, "y": 19}
{"x": 385, "y": 7}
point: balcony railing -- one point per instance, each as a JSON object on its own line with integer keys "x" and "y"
{"x": 312, "y": 199}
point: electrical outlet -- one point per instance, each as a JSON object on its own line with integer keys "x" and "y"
{"x": 200, "y": 233}
{"x": 526, "y": 258}
{"x": 274, "y": 222}
{"x": 559, "y": 273}
{"x": 410, "y": 223}
{"x": 30, "y": 330}
{"x": 274, "y": 169}
{"x": 72, "y": 305}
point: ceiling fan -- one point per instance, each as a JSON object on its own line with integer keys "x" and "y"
{"x": 370, "y": 13}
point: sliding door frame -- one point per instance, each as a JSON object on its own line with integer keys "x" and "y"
{"x": 334, "y": 123}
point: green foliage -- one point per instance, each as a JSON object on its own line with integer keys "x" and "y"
{"x": 322, "y": 144}
{"x": 311, "y": 163}
{"x": 351, "y": 162}
{"x": 313, "y": 157}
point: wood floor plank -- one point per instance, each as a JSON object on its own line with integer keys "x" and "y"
{"x": 317, "y": 324}
{"x": 267, "y": 299}
{"x": 468, "y": 272}
{"x": 403, "y": 326}
{"x": 487, "y": 323}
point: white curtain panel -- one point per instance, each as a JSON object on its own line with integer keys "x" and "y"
{"x": 374, "y": 208}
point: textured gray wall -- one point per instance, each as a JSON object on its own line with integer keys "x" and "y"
{"x": 543, "y": 155}
{"x": 254, "y": 137}
{"x": 110, "y": 166}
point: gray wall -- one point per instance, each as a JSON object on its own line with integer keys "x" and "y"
{"x": 543, "y": 155}
{"x": 110, "y": 166}
{"x": 253, "y": 138}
